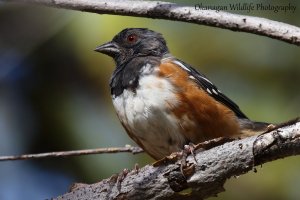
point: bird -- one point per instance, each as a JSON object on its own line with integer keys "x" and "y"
{"x": 164, "y": 103}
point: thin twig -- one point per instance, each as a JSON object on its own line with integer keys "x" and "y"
{"x": 127, "y": 148}
{"x": 176, "y": 12}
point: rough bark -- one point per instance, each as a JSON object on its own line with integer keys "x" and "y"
{"x": 206, "y": 176}
{"x": 175, "y": 12}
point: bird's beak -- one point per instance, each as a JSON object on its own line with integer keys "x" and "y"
{"x": 110, "y": 48}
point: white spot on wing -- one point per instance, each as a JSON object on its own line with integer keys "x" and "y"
{"x": 206, "y": 80}
{"x": 208, "y": 90}
{"x": 214, "y": 91}
{"x": 191, "y": 77}
{"x": 181, "y": 65}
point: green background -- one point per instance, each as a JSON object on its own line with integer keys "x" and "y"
{"x": 54, "y": 94}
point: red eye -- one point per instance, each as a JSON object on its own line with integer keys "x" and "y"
{"x": 131, "y": 38}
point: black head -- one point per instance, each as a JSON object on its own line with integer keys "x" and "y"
{"x": 134, "y": 42}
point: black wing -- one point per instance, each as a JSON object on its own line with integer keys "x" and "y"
{"x": 210, "y": 88}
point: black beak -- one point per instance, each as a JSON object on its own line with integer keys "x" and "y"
{"x": 110, "y": 48}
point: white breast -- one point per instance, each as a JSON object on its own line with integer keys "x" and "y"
{"x": 146, "y": 113}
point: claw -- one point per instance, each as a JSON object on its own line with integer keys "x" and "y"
{"x": 136, "y": 168}
{"x": 187, "y": 168}
{"x": 190, "y": 148}
{"x": 121, "y": 177}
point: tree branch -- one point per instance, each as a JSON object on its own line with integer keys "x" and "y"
{"x": 172, "y": 11}
{"x": 206, "y": 177}
{"x": 127, "y": 148}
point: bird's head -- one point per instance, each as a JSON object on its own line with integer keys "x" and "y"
{"x": 134, "y": 42}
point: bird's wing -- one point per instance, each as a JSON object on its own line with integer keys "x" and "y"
{"x": 209, "y": 87}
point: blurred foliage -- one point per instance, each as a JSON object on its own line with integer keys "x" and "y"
{"x": 54, "y": 92}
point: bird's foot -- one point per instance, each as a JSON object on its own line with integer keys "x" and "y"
{"x": 118, "y": 178}
{"x": 121, "y": 177}
{"x": 190, "y": 149}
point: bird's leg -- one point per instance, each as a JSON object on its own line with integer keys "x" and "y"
{"x": 136, "y": 168}
{"x": 190, "y": 149}
{"x": 187, "y": 150}
{"x": 121, "y": 177}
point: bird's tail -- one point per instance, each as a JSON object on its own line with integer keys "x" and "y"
{"x": 250, "y": 128}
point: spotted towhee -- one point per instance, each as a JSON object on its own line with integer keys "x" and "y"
{"x": 164, "y": 103}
